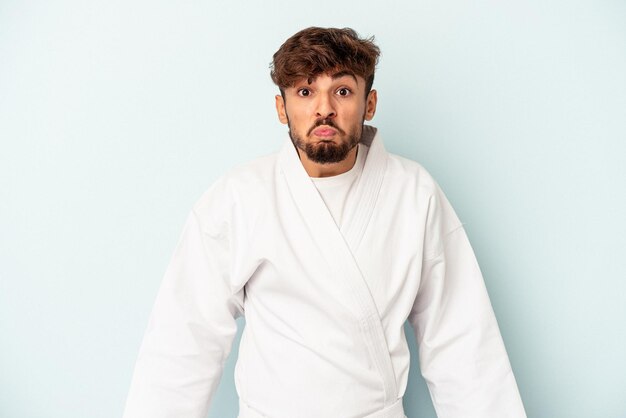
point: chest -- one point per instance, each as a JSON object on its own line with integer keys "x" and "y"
{"x": 300, "y": 261}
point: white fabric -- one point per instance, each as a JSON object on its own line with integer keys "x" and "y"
{"x": 394, "y": 411}
{"x": 324, "y": 306}
{"x": 337, "y": 190}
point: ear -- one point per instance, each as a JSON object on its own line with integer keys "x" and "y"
{"x": 370, "y": 104}
{"x": 280, "y": 109}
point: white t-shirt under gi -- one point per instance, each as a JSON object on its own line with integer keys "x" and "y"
{"x": 337, "y": 190}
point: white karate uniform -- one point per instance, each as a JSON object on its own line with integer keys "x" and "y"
{"x": 324, "y": 304}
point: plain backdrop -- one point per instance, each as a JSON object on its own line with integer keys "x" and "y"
{"x": 115, "y": 116}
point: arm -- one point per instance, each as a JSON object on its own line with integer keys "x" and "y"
{"x": 190, "y": 332}
{"x": 462, "y": 355}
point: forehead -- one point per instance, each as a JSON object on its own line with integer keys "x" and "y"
{"x": 334, "y": 75}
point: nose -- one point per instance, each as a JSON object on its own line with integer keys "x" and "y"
{"x": 325, "y": 107}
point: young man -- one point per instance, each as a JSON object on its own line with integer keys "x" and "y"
{"x": 327, "y": 247}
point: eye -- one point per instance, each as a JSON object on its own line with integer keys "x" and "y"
{"x": 304, "y": 92}
{"x": 344, "y": 92}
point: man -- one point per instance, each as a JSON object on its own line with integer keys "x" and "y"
{"x": 327, "y": 247}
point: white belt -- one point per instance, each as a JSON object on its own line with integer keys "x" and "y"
{"x": 395, "y": 410}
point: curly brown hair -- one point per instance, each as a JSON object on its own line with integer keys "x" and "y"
{"x": 314, "y": 51}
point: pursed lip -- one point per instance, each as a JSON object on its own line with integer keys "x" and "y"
{"x": 324, "y": 131}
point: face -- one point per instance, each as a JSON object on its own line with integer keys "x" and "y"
{"x": 325, "y": 115}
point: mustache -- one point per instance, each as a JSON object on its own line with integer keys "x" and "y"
{"x": 327, "y": 122}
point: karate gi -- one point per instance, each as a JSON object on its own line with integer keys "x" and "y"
{"x": 324, "y": 305}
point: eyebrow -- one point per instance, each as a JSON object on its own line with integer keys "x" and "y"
{"x": 336, "y": 75}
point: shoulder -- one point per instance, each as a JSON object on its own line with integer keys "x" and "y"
{"x": 238, "y": 188}
{"x": 410, "y": 173}
{"x": 242, "y": 179}
{"x": 252, "y": 173}
{"x": 416, "y": 182}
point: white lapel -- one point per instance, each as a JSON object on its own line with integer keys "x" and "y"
{"x": 337, "y": 246}
{"x": 359, "y": 210}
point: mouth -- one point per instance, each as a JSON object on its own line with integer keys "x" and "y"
{"x": 324, "y": 132}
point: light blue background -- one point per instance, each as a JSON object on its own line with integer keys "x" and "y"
{"x": 115, "y": 116}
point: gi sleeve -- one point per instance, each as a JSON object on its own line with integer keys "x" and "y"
{"x": 462, "y": 356}
{"x": 190, "y": 331}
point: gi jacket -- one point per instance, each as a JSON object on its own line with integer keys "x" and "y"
{"x": 324, "y": 306}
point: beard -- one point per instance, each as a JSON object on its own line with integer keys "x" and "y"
{"x": 327, "y": 151}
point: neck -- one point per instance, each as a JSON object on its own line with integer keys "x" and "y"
{"x": 314, "y": 169}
